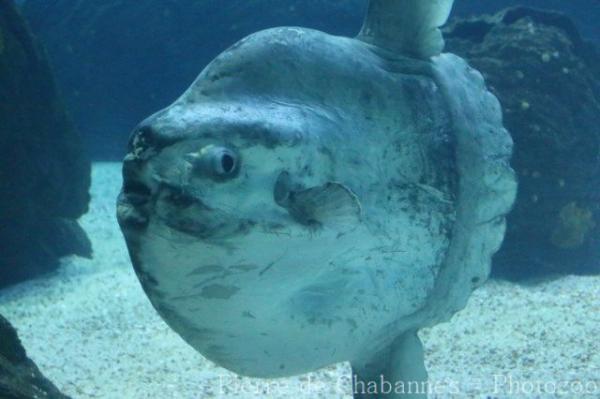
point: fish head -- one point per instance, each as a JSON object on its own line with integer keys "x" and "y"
{"x": 224, "y": 179}
{"x": 252, "y": 144}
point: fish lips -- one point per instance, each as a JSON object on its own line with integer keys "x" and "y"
{"x": 133, "y": 207}
{"x": 133, "y": 202}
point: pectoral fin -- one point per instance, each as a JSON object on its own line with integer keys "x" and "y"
{"x": 330, "y": 205}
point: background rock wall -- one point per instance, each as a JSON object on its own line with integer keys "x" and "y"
{"x": 19, "y": 376}
{"x": 548, "y": 82}
{"x": 44, "y": 172}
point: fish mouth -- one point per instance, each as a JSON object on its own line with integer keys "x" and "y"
{"x": 133, "y": 202}
{"x": 173, "y": 206}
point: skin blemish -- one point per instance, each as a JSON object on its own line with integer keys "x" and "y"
{"x": 208, "y": 269}
{"x": 248, "y": 314}
{"x": 218, "y": 291}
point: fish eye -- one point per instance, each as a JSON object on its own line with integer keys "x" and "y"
{"x": 217, "y": 162}
{"x": 225, "y": 162}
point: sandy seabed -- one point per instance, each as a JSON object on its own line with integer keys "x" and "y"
{"x": 93, "y": 332}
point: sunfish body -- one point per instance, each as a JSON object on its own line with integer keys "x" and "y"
{"x": 312, "y": 199}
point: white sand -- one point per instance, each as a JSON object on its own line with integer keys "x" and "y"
{"x": 91, "y": 330}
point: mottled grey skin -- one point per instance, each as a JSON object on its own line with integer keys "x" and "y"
{"x": 264, "y": 292}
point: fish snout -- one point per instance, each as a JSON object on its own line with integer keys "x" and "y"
{"x": 146, "y": 140}
{"x": 134, "y": 198}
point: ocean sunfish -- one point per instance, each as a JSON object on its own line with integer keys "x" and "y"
{"x": 313, "y": 199}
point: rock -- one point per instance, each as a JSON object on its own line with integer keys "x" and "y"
{"x": 44, "y": 174}
{"x": 547, "y": 79}
{"x": 583, "y": 12}
{"x": 19, "y": 376}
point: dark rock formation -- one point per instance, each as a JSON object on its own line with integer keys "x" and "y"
{"x": 19, "y": 376}
{"x": 585, "y": 13}
{"x": 44, "y": 175}
{"x": 548, "y": 81}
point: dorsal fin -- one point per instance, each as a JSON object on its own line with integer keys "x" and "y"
{"x": 407, "y": 27}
